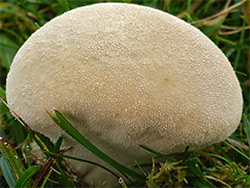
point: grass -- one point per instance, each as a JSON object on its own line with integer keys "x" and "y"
{"x": 226, "y": 164}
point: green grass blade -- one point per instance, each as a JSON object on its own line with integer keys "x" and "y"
{"x": 36, "y": 138}
{"x": 11, "y": 155}
{"x": 19, "y": 133}
{"x": 27, "y": 175}
{"x": 68, "y": 128}
{"x": 64, "y": 4}
{"x": 46, "y": 179}
{"x": 7, "y": 171}
{"x": 146, "y": 162}
{"x": 2, "y": 93}
{"x": 247, "y": 180}
{"x": 238, "y": 151}
{"x": 63, "y": 179}
{"x": 194, "y": 168}
{"x": 236, "y": 63}
{"x": 3, "y": 108}
{"x": 240, "y": 73}
{"x": 214, "y": 155}
{"x": 246, "y": 126}
{"x": 8, "y": 50}
{"x": 157, "y": 153}
{"x": 25, "y": 149}
{"x": 82, "y": 160}
{"x": 58, "y": 143}
{"x": 45, "y": 141}
{"x": 139, "y": 166}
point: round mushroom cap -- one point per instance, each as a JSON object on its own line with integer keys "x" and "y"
{"x": 125, "y": 75}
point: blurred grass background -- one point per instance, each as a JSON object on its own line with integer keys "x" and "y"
{"x": 227, "y": 24}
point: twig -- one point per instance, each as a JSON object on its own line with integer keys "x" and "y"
{"x": 238, "y": 144}
{"x": 25, "y": 124}
{"x": 220, "y": 13}
{"x": 231, "y": 27}
{"x": 47, "y": 166}
{"x": 235, "y": 30}
{"x": 34, "y": 156}
{"x": 232, "y": 32}
{"x": 219, "y": 19}
{"x": 17, "y": 116}
{"x": 42, "y": 161}
{"x": 218, "y": 180}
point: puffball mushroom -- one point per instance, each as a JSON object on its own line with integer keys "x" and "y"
{"x": 125, "y": 75}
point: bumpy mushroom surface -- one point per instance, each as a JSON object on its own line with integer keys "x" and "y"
{"x": 125, "y": 75}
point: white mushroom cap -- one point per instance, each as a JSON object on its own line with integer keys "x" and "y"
{"x": 125, "y": 75}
